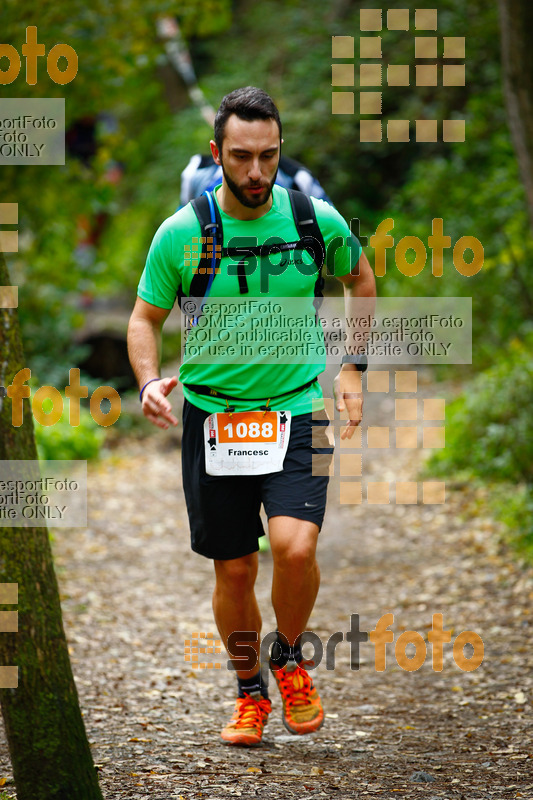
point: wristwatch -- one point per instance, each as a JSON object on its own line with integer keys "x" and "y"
{"x": 360, "y": 360}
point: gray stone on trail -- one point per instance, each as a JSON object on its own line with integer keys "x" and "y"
{"x": 422, "y": 777}
{"x": 366, "y": 708}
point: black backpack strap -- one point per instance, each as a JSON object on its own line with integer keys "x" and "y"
{"x": 206, "y": 209}
{"x": 311, "y": 238}
{"x": 211, "y": 240}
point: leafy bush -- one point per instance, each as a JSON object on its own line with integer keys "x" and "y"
{"x": 489, "y": 436}
{"x": 489, "y": 429}
{"x": 514, "y": 507}
{"x": 62, "y": 441}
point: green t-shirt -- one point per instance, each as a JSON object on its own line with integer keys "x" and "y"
{"x": 263, "y": 343}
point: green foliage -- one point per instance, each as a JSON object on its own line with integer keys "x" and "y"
{"x": 474, "y": 186}
{"x": 119, "y": 60}
{"x": 489, "y": 436}
{"x": 513, "y": 505}
{"x": 489, "y": 428}
{"x": 151, "y": 193}
{"x": 62, "y": 441}
{"x": 466, "y": 191}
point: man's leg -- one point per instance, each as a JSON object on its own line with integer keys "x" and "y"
{"x": 296, "y": 575}
{"x": 234, "y": 602}
{"x": 235, "y": 609}
{"x": 295, "y": 585}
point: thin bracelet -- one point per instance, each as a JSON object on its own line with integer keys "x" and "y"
{"x": 145, "y": 385}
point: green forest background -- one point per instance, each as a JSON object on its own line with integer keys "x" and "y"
{"x": 152, "y": 129}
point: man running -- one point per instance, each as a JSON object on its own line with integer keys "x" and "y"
{"x": 223, "y": 502}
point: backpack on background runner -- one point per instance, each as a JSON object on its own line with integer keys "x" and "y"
{"x": 202, "y": 174}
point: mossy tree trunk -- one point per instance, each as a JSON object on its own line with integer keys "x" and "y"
{"x": 48, "y": 745}
{"x": 517, "y": 54}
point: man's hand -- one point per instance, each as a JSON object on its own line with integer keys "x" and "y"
{"x": 155, "y": 405}
{"x": 348, "y": 395}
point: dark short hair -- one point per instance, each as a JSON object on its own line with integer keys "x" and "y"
{"x": 249, "y": 104}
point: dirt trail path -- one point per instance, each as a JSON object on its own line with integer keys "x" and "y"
{"x": 133, "y": 592}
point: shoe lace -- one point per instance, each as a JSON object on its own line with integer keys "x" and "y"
{"x": 251, "y": 712}
{"x": 296, "y": 685}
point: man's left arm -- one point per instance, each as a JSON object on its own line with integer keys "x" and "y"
{"x": 359, "y": 300}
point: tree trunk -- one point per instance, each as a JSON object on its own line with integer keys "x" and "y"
{"x": 517, "y": 54}
{"x": 48, "y": 745}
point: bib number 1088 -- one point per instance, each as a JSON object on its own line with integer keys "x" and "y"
{"x": 252, "y": 431}
{"x": 250, "y": 427}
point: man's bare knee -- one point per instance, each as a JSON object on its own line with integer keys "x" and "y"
{"x": 298, "y": 559}
{"x": 236, "y": 574}
{"x": 293, "y": 545}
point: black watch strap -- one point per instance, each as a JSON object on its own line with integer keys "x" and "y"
{"x": 360, "y": 360}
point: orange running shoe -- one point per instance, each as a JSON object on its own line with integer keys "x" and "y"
{"x": 248, "y": 720}
{"x": 302, "y": 709}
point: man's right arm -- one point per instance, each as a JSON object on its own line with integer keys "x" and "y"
{"x": 144, "y": 331}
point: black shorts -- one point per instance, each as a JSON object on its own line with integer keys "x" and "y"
{"x": 224, "y": 511}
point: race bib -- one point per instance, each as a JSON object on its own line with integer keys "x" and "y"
{"x": 246, "y": 443}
